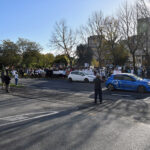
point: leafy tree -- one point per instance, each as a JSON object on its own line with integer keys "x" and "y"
{"x": 26, "y": 45}
{"x": 84, "y": 54}
{"x": 30, "y": 52}
{"x": 61, "y": 59}
{"x": 95, "y": 63}
{"x": 31, "y": 58}
{"x": 120, "y": 55}
{"x": 11, "y": 54}
{"x": 46, "y": 60}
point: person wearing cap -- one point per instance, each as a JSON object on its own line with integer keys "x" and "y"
{"x": 98, "y": 88}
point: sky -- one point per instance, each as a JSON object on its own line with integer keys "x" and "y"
{"x": 35, "y": 19}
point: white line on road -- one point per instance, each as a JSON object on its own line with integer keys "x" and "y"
{"x": 27, "y": 119}
{"x": 148, "y": 98}
{"x": 23, "y": 115}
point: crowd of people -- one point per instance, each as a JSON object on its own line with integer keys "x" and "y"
{"x": 139, "y": 71}
{"x": 101, "y": 74}
{"x": 57, "y": 72}
{"x": 63, "y": 72}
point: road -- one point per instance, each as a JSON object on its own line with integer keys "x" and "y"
{"x": 58, "y": 115}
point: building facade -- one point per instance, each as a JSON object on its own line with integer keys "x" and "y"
{"x": 143, "y": 28}
{"x": 94, "y": 43}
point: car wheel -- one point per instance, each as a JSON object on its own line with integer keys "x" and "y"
{"x": 86, "y": 80}
{"x": 141, "y": 89}
{"x": 70, "y": 79}
{"x": 110, "y": 87}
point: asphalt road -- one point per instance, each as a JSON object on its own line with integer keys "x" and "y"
{"x": 58, "y": 115}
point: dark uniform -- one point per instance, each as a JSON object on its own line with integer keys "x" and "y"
{"x": 98, "y": 89}
{"x": 2, "y": 78}
{"x": 7, "y": 82}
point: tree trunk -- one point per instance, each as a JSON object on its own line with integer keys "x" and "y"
{"x": 99, "y": 65}
{"x": 70, "y": 61}
{"x": 133, "y": 57}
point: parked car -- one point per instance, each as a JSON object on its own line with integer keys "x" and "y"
{"x": 127, "y": 81}
{"x": 80, "y": 76}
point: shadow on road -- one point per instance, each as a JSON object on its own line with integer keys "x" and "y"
{"x": 120, "y": 94}
{"x": 62, "y": 85}
{"x": 72, "y": 127}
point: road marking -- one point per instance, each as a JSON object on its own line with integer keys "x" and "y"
{"x": 121, "y": 95}
{"x": 14, "y": 118}
{"x": 104, "y": 88}
{"x": 92, "y": 114}
{"x": 147, "y": 98}
{"x": 23, "y": 117}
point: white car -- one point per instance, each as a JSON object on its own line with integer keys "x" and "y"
{"x": 80, "y": 76}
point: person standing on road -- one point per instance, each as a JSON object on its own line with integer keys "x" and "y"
{"x": 2, "y": 79}
{"x": 7, "y": 81}
{"x": 98, "y": 88}
{"x": 16, "y": 78}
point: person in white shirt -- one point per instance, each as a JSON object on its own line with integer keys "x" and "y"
{"x": 116, "y": 71}
{"x": 16, "y": 78}
{"x": 132, "y": 71}
{"x": 14, "y": 72}
{"x": 90, "y": 72}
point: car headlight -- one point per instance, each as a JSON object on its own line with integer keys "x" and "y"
{"x": 148, "y": 83}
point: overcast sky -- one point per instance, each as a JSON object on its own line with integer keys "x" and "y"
{"x": 35, "y": 19}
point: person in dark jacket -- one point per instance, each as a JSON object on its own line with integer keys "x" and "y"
{"x": 7, "y": 81}
{"x": 2, "y": 78}
{"x": 98, "y": 88}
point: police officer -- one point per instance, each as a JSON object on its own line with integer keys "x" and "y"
{"x": 2, "y": 78}
{"x": 98, "y": 88}
{"x": 7, "y": 81}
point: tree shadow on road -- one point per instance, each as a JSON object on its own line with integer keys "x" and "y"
{"x": 71, "y": 129}
{"x": 62, "y": 129}
{"x": 135, "y": 106}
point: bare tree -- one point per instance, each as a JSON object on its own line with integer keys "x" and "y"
{"x": 112, "y": 31}
{"x": 64, "y": 39}
{"x": 128, "y": 19}
{"x": 112, "y": 35}
{"x": 95, "y": 29}
{"x": 83, "y": 34}
{"x": 143, "y": 9}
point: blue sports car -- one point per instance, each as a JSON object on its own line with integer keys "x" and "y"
{"x": 127, "y": 81}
